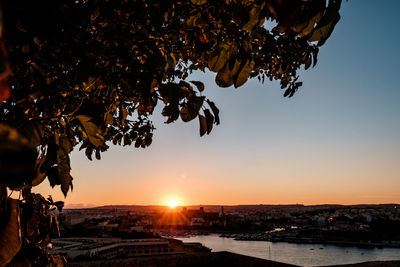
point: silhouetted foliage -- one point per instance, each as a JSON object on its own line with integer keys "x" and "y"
{"x": 92, "y": 72}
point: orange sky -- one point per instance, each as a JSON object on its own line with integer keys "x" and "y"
{"x": 270, "y": 180}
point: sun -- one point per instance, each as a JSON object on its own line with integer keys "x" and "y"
{"x": 172, "y": 203}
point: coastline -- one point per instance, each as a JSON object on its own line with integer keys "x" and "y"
{"x": 240, "y": 236}
{"x": 327, "y": 242}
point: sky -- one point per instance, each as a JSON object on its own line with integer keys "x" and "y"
{"x": 337, "y": 140}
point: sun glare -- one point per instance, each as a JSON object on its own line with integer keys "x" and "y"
{"x": 172, "y": 203}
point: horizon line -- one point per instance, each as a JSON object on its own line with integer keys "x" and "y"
{"x": 87, "y": 206}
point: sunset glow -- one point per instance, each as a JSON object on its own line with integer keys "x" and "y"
{"x": 172, "y": 203}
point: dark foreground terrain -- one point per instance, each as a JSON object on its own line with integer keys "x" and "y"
{"x": 214, "y": 259}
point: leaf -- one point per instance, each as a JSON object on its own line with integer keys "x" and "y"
{"x": 126, "y": 139}
{"x": 108, "y": 118}
{"x": 186, "y": 85}
{"x": 171, "y": 92}
{"x": 198, "y": 2}
{"x": 33, "y": 131}
{"x": 323, "y": 33}
{"x": 98, "y": 157}
{"x": 215, "y": 110}
{"x": 54, "y": 226}
{"x": 172, "y": 112}
{"x": 315, "y": 57}
{"x": 36, "y": 41}
{"x": 52, "y": 176}
{"x": 287, "y": 92}
{"x": 64, "y": 143}
{"x": 138, "y": 142}
{"x": 10, "y": 234}
{"x": 244, "y": 73}
{"x": 123, "y": 113}
{"x": 199, "y": 85}
{"x": 59, "y": 205}
{"x": 88, "y": 152}
{"x": 327, "y": 24}
{"x": 171, "y": 61}
{"x": 91, "y": 129}
{"x": 203, "y": 125}
{"x": 148, "y": 139}
{"x": 210, "y": 120}
{"x": 191, "y": 21}
{"x": 187, "y": 114}
{"x": 254, "y": 17}
{"x": 65, "y": 178}
{"x": 218, "y": 61}
{"x": 196, "y": 102}
{"x": 40, "y": 176}
{"x": 4, "y": 88}
{"x": 95, "y": 14}
{"x": 224, "y": 77}
{"x": 307, "y": 27}
{"x": 308, "y": 63}
{"x": 63, "y": 162}
{"x": 191, "y": 109}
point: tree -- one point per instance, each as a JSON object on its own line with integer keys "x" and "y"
{"x": 91, "y": 72}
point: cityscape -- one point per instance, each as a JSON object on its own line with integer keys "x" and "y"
{"x": 112, "y": 232}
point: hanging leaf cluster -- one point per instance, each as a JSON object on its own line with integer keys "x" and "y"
{"x": 90, "y": 73}
{"x": 26, "y": 228}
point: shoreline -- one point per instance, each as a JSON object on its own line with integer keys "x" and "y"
{"x": 240, "y": 237}
{"x": 336, "y": 243}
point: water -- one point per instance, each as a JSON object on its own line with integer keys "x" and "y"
{"x": 299, "y": 254}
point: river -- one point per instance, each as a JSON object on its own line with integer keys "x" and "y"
{"x": 299, "y": 254}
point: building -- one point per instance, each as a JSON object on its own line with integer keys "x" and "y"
{"x": 109, "y": 248}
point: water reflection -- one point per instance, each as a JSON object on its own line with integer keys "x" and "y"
{"x": 299, "y": 254}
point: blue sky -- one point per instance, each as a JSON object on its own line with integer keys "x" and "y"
{"x": 335, "y": 141}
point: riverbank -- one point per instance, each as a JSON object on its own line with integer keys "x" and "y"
{"x": 305, "y": 240}
{"x": 279, "y": 236}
